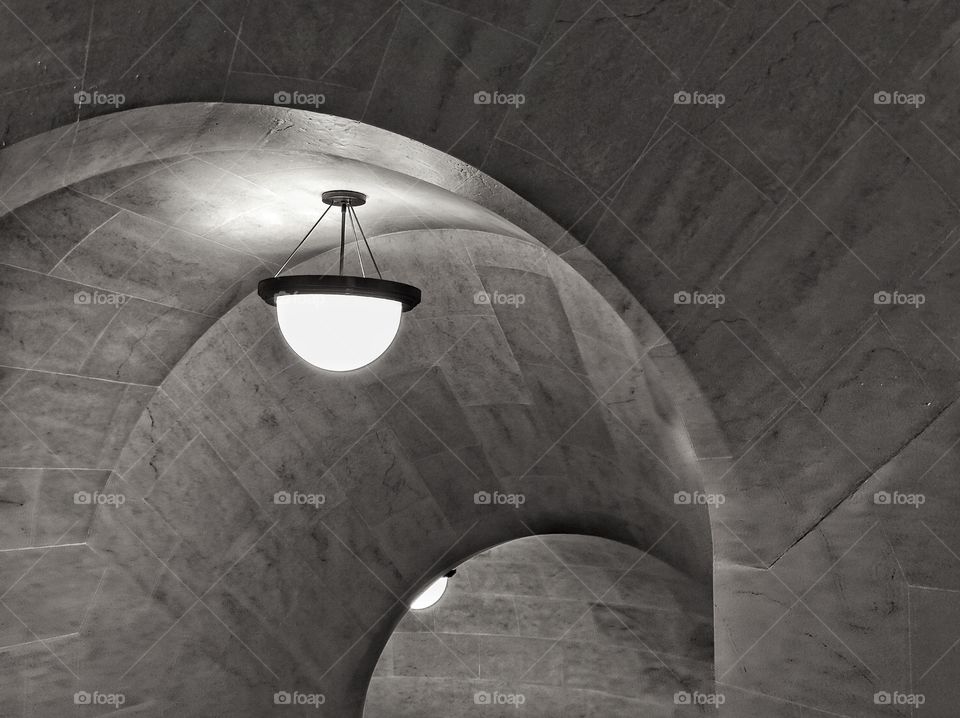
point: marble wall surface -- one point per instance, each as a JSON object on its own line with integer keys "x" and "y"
{"x": 555, "y": 625}
{"x": 810, "y": 189}
{"x": 191, "y": 588}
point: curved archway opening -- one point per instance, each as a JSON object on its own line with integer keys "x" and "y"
{"x": 557, "y": 624}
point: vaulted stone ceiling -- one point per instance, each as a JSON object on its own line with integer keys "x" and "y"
{"x": 554, "y": 398}
{"x": 797, "y": 199}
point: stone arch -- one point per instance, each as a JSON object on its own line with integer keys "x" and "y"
{"x": 486, "y": 404}
{"x": 552, "y": 624}
{"x": 162, "y": 563}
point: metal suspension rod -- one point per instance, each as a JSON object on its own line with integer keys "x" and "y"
{"x": 356, "y": 243}
{"x": 283, "y": 266}
{"x": 369, "y": 251}
{"x": 343, "y": 230}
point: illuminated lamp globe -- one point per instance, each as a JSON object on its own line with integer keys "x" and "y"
{"x": 338, "y": 323}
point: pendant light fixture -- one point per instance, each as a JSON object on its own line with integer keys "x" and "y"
{"x": 339, "y": 322}
{"x": 432, "y": 593}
